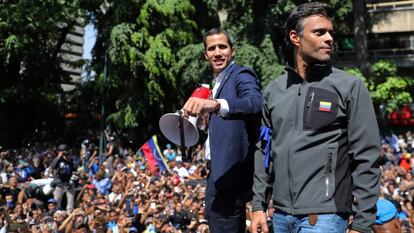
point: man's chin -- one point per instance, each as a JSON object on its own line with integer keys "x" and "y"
{"x": 322, "y": 60}
{"x": 217, "y": 70}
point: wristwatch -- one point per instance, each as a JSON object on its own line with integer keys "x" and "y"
{"x": 218, "y": 106}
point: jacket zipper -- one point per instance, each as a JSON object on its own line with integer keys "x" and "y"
{"x": 311, "y": 99}
{"x": 328, "y": 170}
{"x": 309, "y": 107}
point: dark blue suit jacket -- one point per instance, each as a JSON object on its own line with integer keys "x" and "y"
{"x": 233, "y": 138}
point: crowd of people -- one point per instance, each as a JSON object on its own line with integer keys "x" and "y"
{"x": 125, "y": 196}
{"x": 397, "y": 183}
{"x": 57, "y": 188}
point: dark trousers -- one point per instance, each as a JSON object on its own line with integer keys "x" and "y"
{"x": 226, "y": 211}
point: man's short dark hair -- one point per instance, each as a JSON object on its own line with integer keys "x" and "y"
{"x": 301, "y": 12}
{"x": 62, "y": 148}
{"x": 216, "y": 31}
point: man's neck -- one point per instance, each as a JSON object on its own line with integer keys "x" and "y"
{"x": 302, "y": 67}
{"x": 216, "y": 75}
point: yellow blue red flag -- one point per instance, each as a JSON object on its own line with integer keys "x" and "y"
{"x": 153, "y": 155}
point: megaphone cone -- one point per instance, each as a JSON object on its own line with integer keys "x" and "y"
{"x": 170, "y": 128}
{"x": 170, "y": 122}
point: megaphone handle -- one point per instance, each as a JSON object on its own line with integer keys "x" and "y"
{"x": 182, "y": 137}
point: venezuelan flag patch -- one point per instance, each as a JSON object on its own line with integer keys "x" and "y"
{"x": 325, "y": 106}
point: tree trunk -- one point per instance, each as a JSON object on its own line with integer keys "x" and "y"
{"x": 361, "y": 36}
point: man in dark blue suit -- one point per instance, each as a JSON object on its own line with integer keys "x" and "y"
{"x": 232, "y": 133}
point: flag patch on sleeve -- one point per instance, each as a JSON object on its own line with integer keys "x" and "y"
{"x": 325, "y": 106}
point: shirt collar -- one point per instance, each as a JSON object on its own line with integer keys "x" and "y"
{"x": 221, "y": 75}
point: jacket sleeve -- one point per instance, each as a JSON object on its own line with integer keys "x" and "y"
{"x": 263, "y": 177}
{"x": 249, "y": 97}
{"x": 364, "y": 149}
{"x": 55, "y": 161}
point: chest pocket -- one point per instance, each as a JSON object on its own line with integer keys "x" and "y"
{"x": 321, "y": 108}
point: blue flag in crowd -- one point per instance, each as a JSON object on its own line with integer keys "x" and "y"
{"x": 153, "y": 155}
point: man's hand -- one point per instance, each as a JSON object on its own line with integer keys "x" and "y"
{"x": 258, "y": 223}
{"x": 78, "y": 211}
{"x": 130, "y": 193}
{"x": 194, "y": 106}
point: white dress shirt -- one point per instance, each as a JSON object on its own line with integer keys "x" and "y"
{"x": 224, "y": 106}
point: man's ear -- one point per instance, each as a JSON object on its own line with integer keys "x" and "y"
{"x": 205, "y": 55}
{"x": 294, "y": 38}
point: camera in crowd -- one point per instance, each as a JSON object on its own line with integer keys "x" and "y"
{"x": 181, "y": 219}
{"x": 406, "y": 194}
{"x": 74, "y": 178}
{"x": 85, "y": 143}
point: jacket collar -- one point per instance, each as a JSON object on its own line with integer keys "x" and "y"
{"x": 316, "y": 73}
{"x": 225, "y": 74}
{"x": 228, "y": 70}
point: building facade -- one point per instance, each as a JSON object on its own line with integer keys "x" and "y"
{"x": 71, "y": 54}
{"x": 391, "y": 36}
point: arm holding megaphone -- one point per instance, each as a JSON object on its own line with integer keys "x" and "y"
{"x": 181, "y": 127}
{"x": 195, "y": 106}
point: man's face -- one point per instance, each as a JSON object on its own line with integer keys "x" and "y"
{"x": 115, "y": 189}
{"x": 218, "y": 52}
{"x": 9, "y": 198}
{"x": 80, "y": 230}
{"x": 178, "y": 207}
{"x": 316, "y": 43}
{"x": 51, "y": 206}
{"x": 13, "y": 182}
{"x": 113, "y": 216}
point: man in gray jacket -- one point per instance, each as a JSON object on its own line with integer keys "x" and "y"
{"x": 323, "y": 138}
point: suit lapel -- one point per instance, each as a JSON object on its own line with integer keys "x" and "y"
{"x": 223, "y": 82}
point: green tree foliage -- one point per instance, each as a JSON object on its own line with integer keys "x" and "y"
{"x": 386, "y": 86}
{"x": 156, "y": 50}
{"x": 31, "y": 36}
{"x": 143, "y": 50}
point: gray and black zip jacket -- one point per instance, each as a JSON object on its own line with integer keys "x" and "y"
{"x": 324, "y": 147}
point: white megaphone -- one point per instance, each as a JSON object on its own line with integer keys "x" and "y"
{"x": 180, "y": 130}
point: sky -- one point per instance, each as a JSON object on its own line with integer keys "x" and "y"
{"x": 89, "y": 41}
